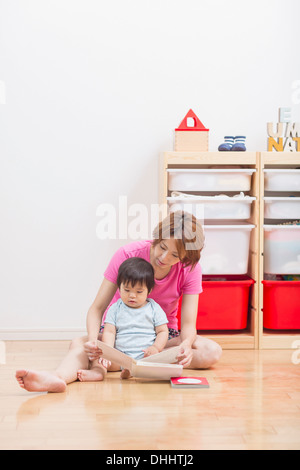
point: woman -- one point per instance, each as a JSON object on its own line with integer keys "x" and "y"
{"x": 174, "y": 254}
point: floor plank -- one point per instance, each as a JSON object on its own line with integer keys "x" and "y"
{"x": 253, "y": 403}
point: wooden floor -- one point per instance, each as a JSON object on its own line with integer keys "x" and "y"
{"x": 253, "y": 403}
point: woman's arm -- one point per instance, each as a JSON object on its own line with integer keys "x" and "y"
{"x": 189, "y": 310}
{"x": 104, "y": 296}
{"x": 93, "y": 322}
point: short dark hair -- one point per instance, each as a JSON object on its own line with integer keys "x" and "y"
{"x": 136, "y": 270}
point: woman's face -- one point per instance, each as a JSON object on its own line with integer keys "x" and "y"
{"x": 165, "y": 255}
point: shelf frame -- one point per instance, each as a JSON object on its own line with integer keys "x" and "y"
{"x": 272, "y": 339}
{"x": 245, "y": 339}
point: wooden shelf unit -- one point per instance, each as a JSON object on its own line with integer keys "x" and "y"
{"x": 244, "y": 339}
{"x": 272, "y": 339}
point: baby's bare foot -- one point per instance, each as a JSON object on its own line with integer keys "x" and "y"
{"x": 34, "y": 381}
{"x": 93, "y": 375}
{"x": 125, "y": 374}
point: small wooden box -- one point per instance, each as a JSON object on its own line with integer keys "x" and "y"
{"x": 191, "y": 141}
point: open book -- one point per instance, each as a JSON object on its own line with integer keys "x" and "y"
{"x": 159, "y": 366}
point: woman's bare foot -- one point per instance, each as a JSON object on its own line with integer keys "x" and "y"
{"x": 95, "y": 374}
{"x": 34, "y": 381}
{"x": 125, "y": 374}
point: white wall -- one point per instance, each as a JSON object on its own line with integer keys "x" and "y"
{"x": 94, "y": 90}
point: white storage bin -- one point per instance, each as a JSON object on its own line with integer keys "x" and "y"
{"x": 214, "y": 207}
{"x": 210, "y": 179}
{"x": 282, "y": 207}
{"x": 282, "y": 179}
{"x": 226, "y": 249}
{"x": 282, "y": 249}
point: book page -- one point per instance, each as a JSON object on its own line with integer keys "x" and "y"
{"x": 116, "y": 356}
{"x": 156, "y": 371}
{"x": 167, "y": 356}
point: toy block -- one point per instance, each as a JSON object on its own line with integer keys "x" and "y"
{"x": 297, "y": 140}
{"x": 285, "y": 115}
{"x": 290, "y": 145}
{"x": 288, "y": 140}
{"x": 191, "y": 138}
{"x": 159, "y": 366}
{"x": 272, "y": 143}
{"x": 292, "y": 129}
{"x": 278, "y": 133}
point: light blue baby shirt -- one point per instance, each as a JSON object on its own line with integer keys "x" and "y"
{"x": 135, "y": 327}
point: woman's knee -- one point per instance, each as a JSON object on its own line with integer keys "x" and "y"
{"x": 209, "y": 352}
{"x": 78, "y": 342}
{"x": 215, "y": 351}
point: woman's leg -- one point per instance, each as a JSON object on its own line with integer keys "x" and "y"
{"x": 206, "y": 352}
{"x": 56, "y": 381}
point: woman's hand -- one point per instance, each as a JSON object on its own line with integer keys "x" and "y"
{"x": 92, "y": 350}
{"x": 188, "y": 333}
{"x": 185, "y": 356}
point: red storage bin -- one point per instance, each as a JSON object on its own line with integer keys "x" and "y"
{"x": 281, "y": 309}
{"x": 223, "y": 304}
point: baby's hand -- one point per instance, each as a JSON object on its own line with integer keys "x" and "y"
{"x": 150, "y": 351}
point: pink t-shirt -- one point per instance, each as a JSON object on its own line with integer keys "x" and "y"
{"x": 167, "y": 291}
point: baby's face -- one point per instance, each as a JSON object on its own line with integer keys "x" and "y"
{"x": 134, "y": 297}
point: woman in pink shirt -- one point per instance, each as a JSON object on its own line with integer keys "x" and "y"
{"x": 174, "y": 254}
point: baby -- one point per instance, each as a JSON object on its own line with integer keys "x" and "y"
{"x": 135, "y": 324}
